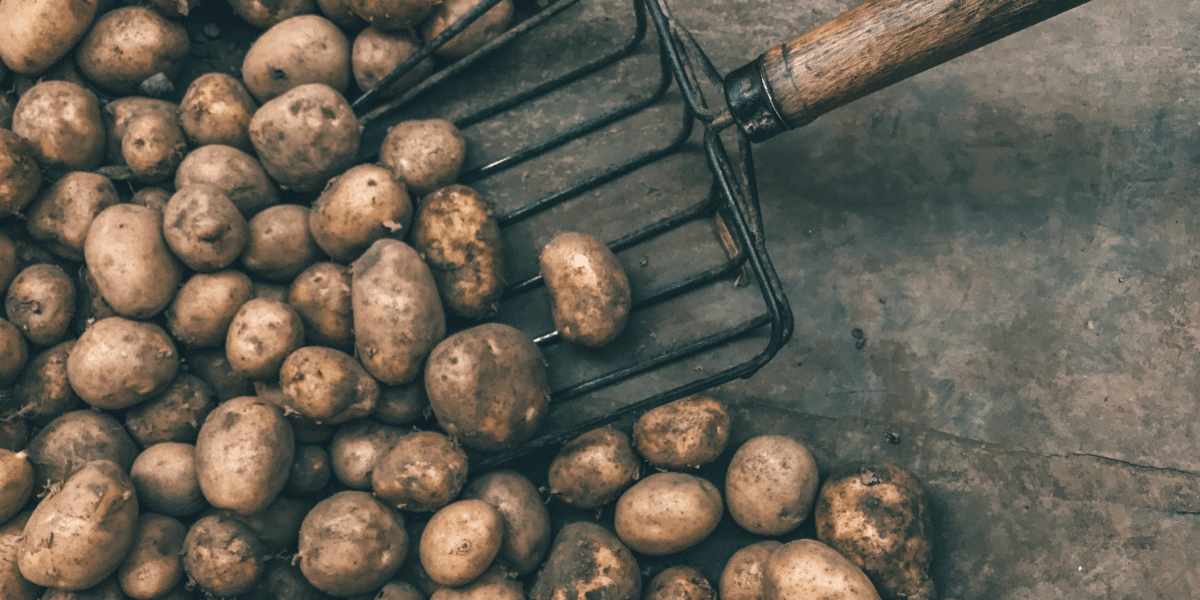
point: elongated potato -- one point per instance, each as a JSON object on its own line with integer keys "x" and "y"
{"x": 20, "y": 176}
{"x": 350, "y": 543}
{"x": 398, "y": 318}
{"x": 327, "y": 385}
{"x": 359, "y": 206}
{"x": 129, "y": 44}
{"x": 34, "y": 35}
{"x": 587, "y": 561}
{"x": 771, "y": 485}
{"x": 243, "y": 454}
{"x": 305, "y": 136}
{"x": 62, "y": 214}
{"x": 321, "y": 296}
{"x": 667, "y": 513}
{"x": 589, "y": 291}
{"x": 810, "y": 569}
{"x": 594, "y": 469}
{"x": 685, "y": 434}
{"x": 526, "y": 520}
{"x": 455, "y": 230}
{"x": 127, "y": 255}
{"x": 201, "y": 312}
{"x": 742, "y": 577}
{"x": 118, "y": 363}
{"x": 154, "y": 565}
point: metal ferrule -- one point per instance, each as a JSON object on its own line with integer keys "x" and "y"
{"x": 750, "y": 103}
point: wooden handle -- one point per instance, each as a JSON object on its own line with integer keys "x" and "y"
{"x": 868, "y": 48}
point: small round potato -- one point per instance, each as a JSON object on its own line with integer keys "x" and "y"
{"x": 60, "y": 216}
{"x": 321, "y": 296}
{"x": 494, "y": 584}
{"x": 487, "y": 387}
{"x": 280, "y": 245}
{"x": 526, "y": 520}
{"x": 456, "y": 233}
{"x": 265, "y": 13}
{"x": 119, "y": 113}
{"x": 262, "y": 334}
{"x": 240, "y": 176}
{"x": 166, "y": 481}
{"x": 350, "y": 543}
{"x": 20, "y": 176}
{"x": 810, "y": 569}
{"x": 685, "y": 434}
{"x": 486, "y": 28}
{"x": 216, "y": 109}
{"x": 35, "y": 35}
{"x": 43, "y": 392}
{"x": 585, "y": 561}
{"x": 305, "y": 136}
{"x": 41, "y": 303}
{"x": 204, "y": 228}
{"x": 589, "y": 291}
{"x": 423, "y": 472}
{"x": 173, "y": 416}
{"x": 401, "y": 404}
{"x": 594, "y": 468}
{"x": 460, "y": 541}
{"x": 376, "y": 53}
{"x": 16, "y": 482}
{"x": 667, "y": 513}
{"x": 771, "y": 485}
{"x": 127, "y": 45}
{"x": 71, "y": 441}
{"x": 14, "y": 353}
{"x": 153, "y": 147}
{"x": 154, "y": 565}
{"x": 356, "y": 448}
{"x": 425, "y": 154}
{"x": 302, "y": 49}
{"x": 742, "y": 578}
{"x": 61, "y": 121}
{"x": 359, "y": 206}
{"x": 201, "y": 312}
{"x": 393, "y": 15}
{"x": 680, "y": 583}
{"x": 134, "y": 269}
{"x": 223, "y": 556}
{"x": 14, "y": 586}
{"x": 327, "y": 385}
{"x": 118, "y": 363}
{"x": 243, "y": 454}
{"x": 310, "y": 471}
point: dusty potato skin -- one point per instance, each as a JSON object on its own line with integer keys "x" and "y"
{"x": 223, "y": 556}
{"x": 164, "y": 476}
{"x": 494, "y": 584}
{"x": 589, "y": 291}
{"x": 118, "y": 363}
{"x": 34, "y": 35}
{"x": 594, "y": 468}
{"x": 526, "y": 521}
{"x": 321, "y": 296}
{"x": 280, "y": 245}
{"x": 875, "y": 515}
{"x": 41, "y": 302}
{"x": 152, "y": 197}
{"x": 359, "y": 206}
{"x": 216, "y": 109}
{"x": 680, "y": 583}
{"x": 357, "y": 446}
{"x": 376, "y": 53}
{"x": 16, "y": 482}
{"x": 129, "y": 44}
{"x": 425, "y": 154}
{"x": 310, "y": 471}
{"x": 10, "y": 265}
{"x": 262, "y": 334}
{"x": 20, "y": 176}
{"x": 77, "y": 536}
{"x": 201, "y": 312}
{"x": 154, "y": 565}
{"x": 666, "y": 513}
{"x": 213, "y": 368}
{"x": 486, "y": 28}
{"x": 153, "y": 147}
{"x": 277, "y": 526}
{"x": 302, "y": 49}
{"x": 423, "y": 472}
{"x": 392, "y": 15}
{"x": 240, "y": 176}
{"x": 487, "y": 387}
{"x": 587, "y": 561}
{"x": 60, "y": 216}
{"x": 204, "y": 228}
{"x": 350, "y": 543}
{"x": 454, "y": 229}
{"x": 327, "y": 385}
{"x": 14, "y": 353}
{"x": 685, "y": 434}
{"x": 243, "y": 454}
{"x": 173, "y": 416}
{"x": 127, "y": 255}
{"x": 74, "y": 439}
{"x": 305, "y": 136}
{"x": 398, "y": 317}
{"x": 771, "y": 485}
{"x": 61, "y": 121}
{"x": 284, "y": 581}
{"x": 14, "y": 586}
{"x": 810, "y": 569}
{"x": 265, "y": 13}
{"x": 118, "y": 114}
{"x": 742, "y": 578}
{"x": 460, "y": 541}
{"x": 43, "y": 392}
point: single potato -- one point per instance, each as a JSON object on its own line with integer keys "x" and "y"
{"x": 125, "y": 252}
{"x": 680, "y": 583}
{"x": 75, "y": 439}
{"x": 594, "y": 469}
{"x": 589, "y": 291}
{"x": 454, "y": 229}
{"x": 223, "y": 556}
{"x": 216, "y": 109}
{"x": 350, "y": 543}
{"x": 460, "y": 541}
{"x": 280, "y": 245}
{"x": 243, "y": 454}
{"x": 61, "y": 215}
{"x": 299, "y": 50}
{"x": 62, "y": 123}
{"x": 587, "y": 561}
{"x": 305, "y": 136}
{"x": 426, "y": 155}
{"x": 16, "y": 482}
{"x": 41, "y": 302}
{"x": 423, "y": 472}
{"x": 685, "y": 434}
{"x": 35, "y": 35}
{"x": 20, "y": 176}
{"x": 262, "y": 334}
{"x": 173, "y": 416}
{"x": 118, "y": 363}
{"x": 667, "y": 513}
{"x": 486, "y": 28}
{"x": 771, "y": 485}
{"x": 14, "y": 353}
{"x": 201, "y": 312}
{"x": 321, "y": 296}
{"x": 742, "y": 577}
{"x": 357, "y": 446}
{"x": 204, "y": 229}
{"x": 44, "y": 392}
{"x": 164, "y": 476}
{"x": 392, "y": 15}
{"x": 359, "y": 206}
{"x": 263, "y": 14}
{"x": 327, "y": 385}
{"x": 810, "y": 569}
{"x": 376, "y": 53}
{"x": 153, "y": 146}
{"x": 129, "y": 44}
{"x": 118, "y": 114}
{"x": 154, "y": 565}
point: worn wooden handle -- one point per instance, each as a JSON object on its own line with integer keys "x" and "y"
{"x": 868, "y": 48}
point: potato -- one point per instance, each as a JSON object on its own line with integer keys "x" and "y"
{"x": 118, "y": 114}
{"x": 685, "y": 434}
{"x": 262, "y": 334}
{"x": 43, "y": 393}
{"x": 16, "y": 482}
{"x": 13, "y": 585}
{"x": 118, "y": 363}
{"x": 494, "y": 584}
{"x": 587, "y": 561}
{"x": 173, "y": 416}
{"x": 60, "y": 216}
{"x": 74, "y": 439}
{"x": 9, "y": 263}
{"x": 423, "y": 472}
{"x": 201, "y": 312}
{"x": 398, "y": 318}
{"x": 299, "y": 50}
{"x": 742, "y": 578}
{"x": 41, "y": 302}
{"x": 359, "y": 206}
{"x": 266, "y": 13}
{"x": 154, "y": 565}
{"x": 589, "y": 291}
{"x": 771, "y": 485}
{"x": 152, "y": 197}
{"x": 61, "y": 121}
{"x": 280, "y": 245}
{"x": 350, "y": 543}
{"x": 401, "y": 404}
{"x": 223, "y": 556}
{"x": 213, "y": 368}
{"x": 20, "y": 176}
{"x": 109, "y": 589}
{"x": 34, "y": 35}
{"x": 810, "y": 569}
{"x": 526, "y": 520}
{"x": 134, "y": 270}
{"x": 164, "y": 476}
{"x": 305, "y": 136}
{"x": 875, "y": 516}
{"x": 487, "y": 387}
{"x": 78, "y": 536}
{"x": 321, "y": 296}
{"x": 680, "y": 583}
{"x": 216, "y": 109}
{"x": 460, "y": 541}
{"x": 309, "y": 473}
{"x": 127, "y": 45}
{"x": 240, "y": 176}
{"x": 153, "y": 147}
{"x": 243, "y": 454}
{"x": 357, "y": 446}
{"x": 14, "y": 434}
{"x": 392, "y": 15}
{"x": 456, "y": 233}
{"x": 667, "y": 513}
{"x": 396, "y": 590}
{"x": 486, "y": 28}
{"x": 266, "y": 290}
{"x": 376, "y": 53}
{"x": 204, "y": 228}
{"x": 13, "y": 353}
{"x": 284, "y": 581}
{"x": 277, "y": 526}
{"x": 425, "y": 154}
{"x": 594, "y": 468}
{"x": 327, "y": 385}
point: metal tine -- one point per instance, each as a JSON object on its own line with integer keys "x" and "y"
{"x": 681, "y": 61}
